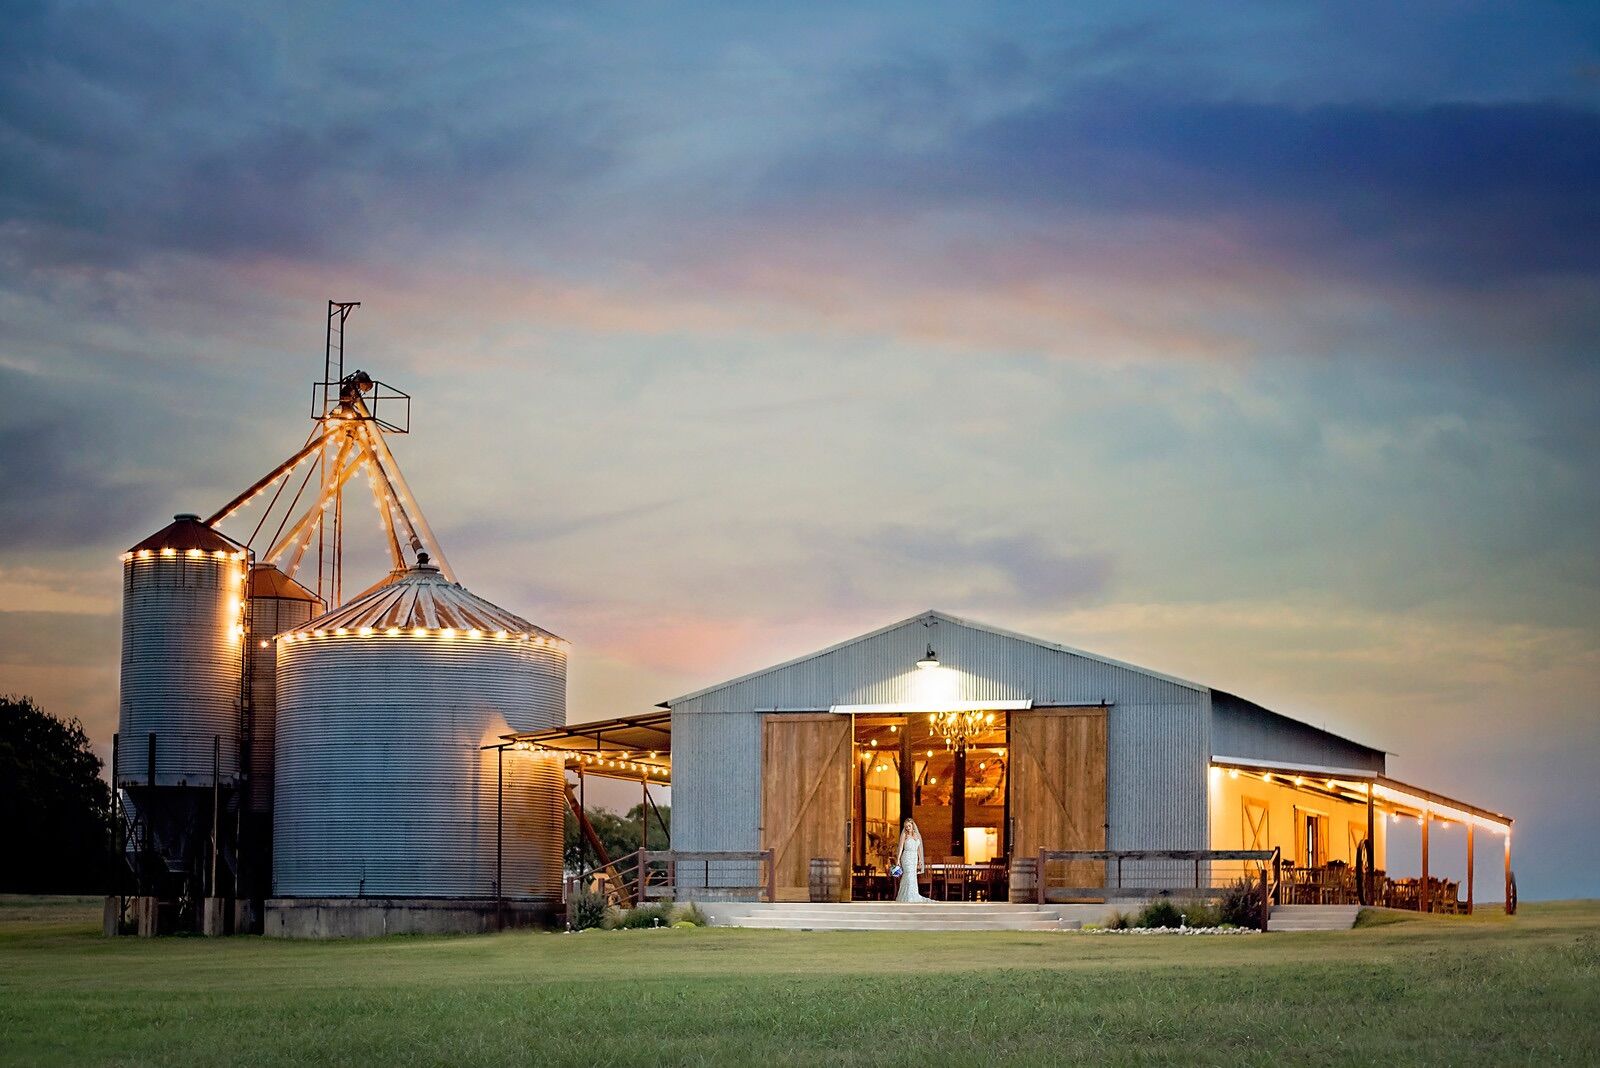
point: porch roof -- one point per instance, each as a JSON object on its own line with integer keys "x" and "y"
{"x": 1349, "y": 784}
{"x": 626, "y": 747}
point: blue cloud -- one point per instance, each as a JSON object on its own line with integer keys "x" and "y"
{"x": 1454, "y": 193}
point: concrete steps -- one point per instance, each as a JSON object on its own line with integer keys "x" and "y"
{"x": 887, "y": 916}
{"x": 1313, "y": 917}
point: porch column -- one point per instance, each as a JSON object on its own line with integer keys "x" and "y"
{"x": 1469, "y": 867}
{"x": 1508, "y": 871}
{"x": 1370, "y": 875}
{"x": 1426, "y": 897}
{"x": 958, "y": 806}
{"x": 906, "y": 799}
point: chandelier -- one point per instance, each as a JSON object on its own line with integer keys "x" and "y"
{"x": 959, "y": 729}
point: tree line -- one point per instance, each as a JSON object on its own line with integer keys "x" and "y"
{"x": 55, "y": 809}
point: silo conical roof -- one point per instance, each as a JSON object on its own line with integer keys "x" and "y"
{"x": 422, "y": 597}
{"x": 267, "y": 581}
{"x": 187, "y": 532}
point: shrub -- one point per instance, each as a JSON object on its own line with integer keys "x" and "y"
{"x": 586, "y": 909}
{"x": 688, "y": 914}
{"x": 1159, "y": 913}
{"x": 1119, "y": 921}
{"x": 1241, "y": 904}
{"x": 642, "y": 917}
{"x": 1200, "y": 914}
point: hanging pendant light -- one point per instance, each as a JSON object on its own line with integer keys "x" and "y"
{"x": 960, "y": 729}
{"x": 929, "y": 660}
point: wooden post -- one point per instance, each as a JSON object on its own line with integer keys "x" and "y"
{"x": 1426, "y": 899}
{"x": 1371, "y": 876}
{"x": 1266, "y": 902}
{"x": 772, "y": 875}
{"x": 1510, "y": 907}
{"x": 906, "y": 799}
{"x": 958, "y": 806}
{"x": 1038, "y": 878}
{"x": 1469, "y": 869}
{"x": 1005, "y": 811}
{"x": 644, "y": 816}
{"x": 499, "y": 823}
{"x": 859, "y": 847}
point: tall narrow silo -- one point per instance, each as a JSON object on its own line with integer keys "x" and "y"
{"x": 183, "y": 594}
{"x": 384, "y": 787}
{"x": 178, "y": 731}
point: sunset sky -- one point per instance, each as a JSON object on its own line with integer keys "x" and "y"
{"x": 1255, "y": 347}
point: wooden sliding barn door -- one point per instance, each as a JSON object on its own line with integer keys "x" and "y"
{"x": 1058, "y": 788}
{"x": 805, "y": 798}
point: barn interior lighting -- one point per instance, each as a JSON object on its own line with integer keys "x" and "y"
{"x": 958, "y": 729}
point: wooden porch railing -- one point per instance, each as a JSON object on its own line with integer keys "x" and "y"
{"x": 1139, "y": 873}
{"x": 647, "y": 875}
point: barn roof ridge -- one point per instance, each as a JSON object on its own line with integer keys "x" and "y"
{"x": 944, "y": 617}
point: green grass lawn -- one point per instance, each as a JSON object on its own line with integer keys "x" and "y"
{"x": 1483, "y": 990}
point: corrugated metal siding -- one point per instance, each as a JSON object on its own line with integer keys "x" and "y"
{"x": 268, "y": 617}
{"x": 1241, "y": 728}
{"x": 381, "y": 788}
{"x": 716, "y": 788}
{"x": 1157, "y": 756}
{"x": 1158, "y": 730}
{"x": 991, "y": 666}
{"x": 182, "y": 667}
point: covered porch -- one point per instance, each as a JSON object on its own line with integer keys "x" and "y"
{"x": 1335, "y": 830}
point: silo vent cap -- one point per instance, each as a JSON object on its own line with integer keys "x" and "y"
{"x": 187, "y": 516}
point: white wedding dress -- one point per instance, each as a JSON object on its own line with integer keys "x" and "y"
{"x": 910, "y": 864}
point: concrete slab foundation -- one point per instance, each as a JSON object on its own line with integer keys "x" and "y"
{"x": 894, "y": 916}
{"x": 371, "y": 917}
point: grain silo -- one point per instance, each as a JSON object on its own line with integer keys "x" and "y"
{"x": 277, "y": 603}
{"x": 178, "y": 737}
{"x": 391, "y": 782}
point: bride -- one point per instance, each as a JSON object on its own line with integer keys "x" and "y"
{"x": 910, "y": 858}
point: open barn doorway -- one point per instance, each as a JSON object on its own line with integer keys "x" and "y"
{"x": 903, "y": 768}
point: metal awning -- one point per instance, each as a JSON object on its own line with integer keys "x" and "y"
{"x": 627, "y": 747}
{"x": 1350, "y": 784}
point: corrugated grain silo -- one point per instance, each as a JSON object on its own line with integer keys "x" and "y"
{"x": 182, "y": 620}
{"x": 383, "y": 785}
{"x": 277, "y": 603}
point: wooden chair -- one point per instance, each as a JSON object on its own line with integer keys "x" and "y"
{"x": 952, "y": 873}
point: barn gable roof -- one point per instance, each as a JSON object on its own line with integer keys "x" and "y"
{"x": 1249, "y": 726}
{"x": 940, "y": 617}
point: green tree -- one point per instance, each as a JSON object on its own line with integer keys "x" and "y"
{"x": 54, "y": 806}
{"x": 619, "y": 834}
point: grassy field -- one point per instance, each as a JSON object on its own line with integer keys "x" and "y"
{"x": 1484, "y": 990}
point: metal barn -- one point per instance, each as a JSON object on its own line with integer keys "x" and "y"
{"x": 1037, "y": 772}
